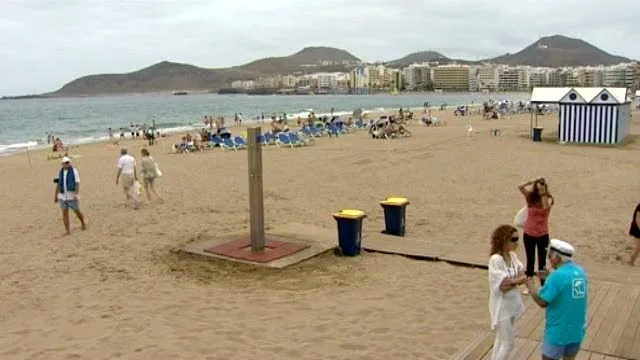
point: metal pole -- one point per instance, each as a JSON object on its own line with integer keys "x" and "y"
{"x": 256, "y": 207}
{"x": 535, "y": 108}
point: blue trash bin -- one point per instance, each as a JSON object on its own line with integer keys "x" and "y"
{"x": 395, "y": 213}
{"x": 349, "y": 231}
{"x": 537, "y": 134}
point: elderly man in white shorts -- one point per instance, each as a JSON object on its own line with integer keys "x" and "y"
{"x": 127, "y": 171}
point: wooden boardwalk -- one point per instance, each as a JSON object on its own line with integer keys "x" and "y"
{"x": 613, "y": 330}
{"x": 613, "y": 319}
{"x": 477, "y": 256}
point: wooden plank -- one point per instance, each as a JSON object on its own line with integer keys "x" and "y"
{"x": 596, "y": 356}
{"x": 583, "y": 355}
{"x": 477, "y": 339}
{"x": 529, "y": 320}
{"x": 525, "y": 349}
{"x": 537, "y": 333}
{"x": 609, "y": 332}
{"x": 536, "y": 354}
{"x": 488, "y": 355}
{"x": 599, "y": 316}
{"x": 634, "y": 351}
{"x": 613, "y": 273}
{"x": 596, "y": 294}
{"x": 406, "y": 246}
{"x": 623, "y": 314}
{"x": 482, "y": 347}
{"x": 462, "y": 256}
{"x": 628, "y": 337}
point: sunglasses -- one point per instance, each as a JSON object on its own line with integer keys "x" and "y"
{"x": 515, "y": 239}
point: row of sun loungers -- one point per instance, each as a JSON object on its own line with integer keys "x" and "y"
{"x": 305, "y": 137}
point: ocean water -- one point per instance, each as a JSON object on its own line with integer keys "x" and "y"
{"x": 25, "y": 123}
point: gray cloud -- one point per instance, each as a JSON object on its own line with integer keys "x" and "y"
{"x": 47, "y": 43}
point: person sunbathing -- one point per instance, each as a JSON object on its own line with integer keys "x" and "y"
{"x": 58, "y": 146}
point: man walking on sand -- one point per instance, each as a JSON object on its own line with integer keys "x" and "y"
{"x": 67, "y": 193}
{"x": 127, "y": 171}
{"x": 564, "y": 297}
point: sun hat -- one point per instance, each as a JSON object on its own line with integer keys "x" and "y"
{"x": 562, "y": 247}
{"x": 66, "y": 160}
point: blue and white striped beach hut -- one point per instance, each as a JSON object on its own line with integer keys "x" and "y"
{"x": 588, "y": 115}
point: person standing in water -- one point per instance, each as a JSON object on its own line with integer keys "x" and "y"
{"x": 536, "y": 228}
{"x": 67, "y": 193}
{"x": 506, "y": 272}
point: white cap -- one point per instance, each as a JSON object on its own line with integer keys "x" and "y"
{"x": 66, "y": 160}
{"x": 562, "y": 247}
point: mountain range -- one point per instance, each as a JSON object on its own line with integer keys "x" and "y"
{"x": 165, "y": 76}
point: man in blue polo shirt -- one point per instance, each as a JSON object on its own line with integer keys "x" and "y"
{"x": 564, "y": 297}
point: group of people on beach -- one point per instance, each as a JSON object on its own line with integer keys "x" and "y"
{"x": 67, "y": 184}
{"x": 137, "y": 131}
{"x": 562, "y": 292}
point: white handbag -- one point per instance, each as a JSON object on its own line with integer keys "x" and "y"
{"x": 520, "y": 218}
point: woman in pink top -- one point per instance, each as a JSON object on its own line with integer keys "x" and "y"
{"x": 536, "y": 228}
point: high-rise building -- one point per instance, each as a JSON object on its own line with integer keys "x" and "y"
{"x": 451, "y": 77}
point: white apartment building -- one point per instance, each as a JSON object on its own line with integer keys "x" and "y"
{"x": 416, "y": 75}
{"x": 360, "y": 77}
{"x": 512, "y": 78}
{"x": 289, "y": 81}
{"x": 483, "y": 77}
{"x": 326, "y": 80}
{"x": 243, "y": 84}
{"x": 538, "y": 77}
{"x": 623, "y": 75}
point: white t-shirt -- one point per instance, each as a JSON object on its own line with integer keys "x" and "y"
{"x": 127, "y": 164}
{"x": 507, "y": 304}
{"x": 68, "y": 195}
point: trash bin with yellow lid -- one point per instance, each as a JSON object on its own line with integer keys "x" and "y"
{"x": 395, "y": 213}
{"x": 349, "y": 230}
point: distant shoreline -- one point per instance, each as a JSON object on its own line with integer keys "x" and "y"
{"x": 200, "y": 92}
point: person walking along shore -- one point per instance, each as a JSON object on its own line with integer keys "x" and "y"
{"x": 67, "y": 193}
{"x": 127, "y": 171}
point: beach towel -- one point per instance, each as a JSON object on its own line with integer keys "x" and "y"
{"x": 521, "y": 218}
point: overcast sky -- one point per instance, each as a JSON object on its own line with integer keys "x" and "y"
{"x": 47, "y": 43}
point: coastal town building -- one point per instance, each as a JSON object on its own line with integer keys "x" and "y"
{"x": 365, "y": 78}
{"x": 244, "y": 84}
{"x": 417, "y": 76}
{"x": 451, "y": 77}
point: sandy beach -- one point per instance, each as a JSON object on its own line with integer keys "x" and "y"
{"x": 120, "y": 290}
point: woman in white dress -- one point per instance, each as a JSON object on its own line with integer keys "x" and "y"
{"x": 506, "y": 272}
